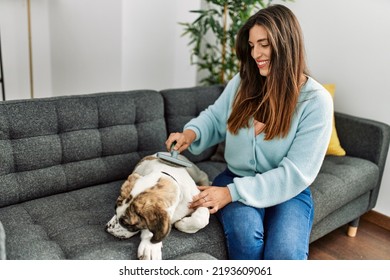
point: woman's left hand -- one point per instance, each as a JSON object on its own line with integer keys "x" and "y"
{"x": 211, "y": 197}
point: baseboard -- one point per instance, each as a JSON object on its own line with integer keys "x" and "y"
{"x": 377, "y": 219}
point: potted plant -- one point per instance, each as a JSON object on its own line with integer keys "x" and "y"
{"x": 212, "y": 36}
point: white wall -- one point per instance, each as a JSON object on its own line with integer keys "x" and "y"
{"x": 95, "y": 45}
{"x": 86, "y": 45}
{"x": 42, "y": 66}
{"x": 155, "y": 55}
{"x": 14, "y": 43}
{"x": 14, "y": 46}
{"x": 348, "y": 43}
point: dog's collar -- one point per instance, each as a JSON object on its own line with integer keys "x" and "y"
{"x": 163, "y": 172}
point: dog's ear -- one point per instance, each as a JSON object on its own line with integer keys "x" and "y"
{"x": 152, "y": 205}
{"x": 157, "y": 221}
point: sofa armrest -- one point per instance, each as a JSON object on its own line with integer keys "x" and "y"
{"x": 363, "y": 138}
{"x": 2, "y": 242}
{"x": 367, "y": 139}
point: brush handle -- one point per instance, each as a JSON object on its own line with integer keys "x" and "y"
{"x": 174, "y": 153}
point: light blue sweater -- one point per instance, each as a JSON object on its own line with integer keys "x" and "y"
{"x": 276, "y": 170}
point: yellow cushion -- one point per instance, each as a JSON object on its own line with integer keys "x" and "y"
{"x": 334, "y": 147}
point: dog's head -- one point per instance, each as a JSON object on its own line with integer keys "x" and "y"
{"x": 144, "y": 207}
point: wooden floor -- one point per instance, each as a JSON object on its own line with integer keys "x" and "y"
{"x": 372, "y": 242}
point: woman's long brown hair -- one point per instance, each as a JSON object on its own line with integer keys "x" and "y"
{"x": 271, "y": 99}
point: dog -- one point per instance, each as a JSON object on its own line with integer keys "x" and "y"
{"x": 155, "y": 196}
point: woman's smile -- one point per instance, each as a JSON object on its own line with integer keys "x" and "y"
{"x": 262, "y": 63}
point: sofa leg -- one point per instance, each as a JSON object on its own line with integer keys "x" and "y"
{"x": 352, "y": 227}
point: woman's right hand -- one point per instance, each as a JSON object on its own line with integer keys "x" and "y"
{"x": 182, "y": 140}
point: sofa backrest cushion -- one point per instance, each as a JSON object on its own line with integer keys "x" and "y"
{"x": 183, "y": 104}
{"x": 53, "y": 145}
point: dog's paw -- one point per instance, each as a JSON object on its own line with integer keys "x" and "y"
{"x": 198, "y": 220}
{"x": 186, "y": 225}
{"x": 149, "y": 251}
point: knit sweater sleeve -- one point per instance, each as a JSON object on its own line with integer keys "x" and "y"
{"x": 210, "y": 125}
{"x": 298, "y": 169}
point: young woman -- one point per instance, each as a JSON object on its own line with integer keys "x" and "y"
{"x": 276, "y": 122}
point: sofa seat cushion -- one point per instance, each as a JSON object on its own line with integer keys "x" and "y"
{"x": 71, "y": 225}
{"x": 341, "y": 180}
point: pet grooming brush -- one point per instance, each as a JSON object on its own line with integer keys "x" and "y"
{"x": 172, "y": 158}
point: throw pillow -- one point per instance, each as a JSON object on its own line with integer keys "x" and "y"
{"x": 334, "y": 147}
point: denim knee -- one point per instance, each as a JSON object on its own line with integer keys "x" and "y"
{"x": 286, "y": 251}
{"x": 244, "y": 239}
{"x": 288, "y": 226}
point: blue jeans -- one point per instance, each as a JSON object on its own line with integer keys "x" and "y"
{"x": 280, "y": 232}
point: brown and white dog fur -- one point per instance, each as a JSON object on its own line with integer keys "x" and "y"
{"x": 152, "y": 199}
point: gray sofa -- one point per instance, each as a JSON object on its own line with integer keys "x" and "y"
{"x": 63, "y": 160}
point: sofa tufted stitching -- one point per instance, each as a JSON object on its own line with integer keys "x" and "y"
{"x": 79, "y": 212}
{"x": 40, "y": 222}
{"x": 95, "y": 126}
{"x": 338, "y": 179}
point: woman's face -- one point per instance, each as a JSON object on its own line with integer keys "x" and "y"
{"x": 260, "y": 48}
